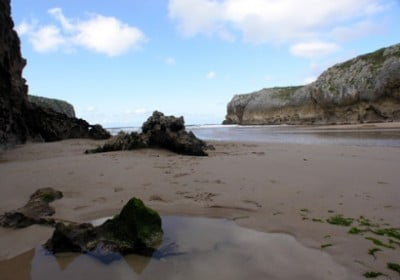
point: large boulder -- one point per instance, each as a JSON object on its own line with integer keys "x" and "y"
{"x": 36, "y": 211}
{"x": 158, "y": 131}
{"x": 363, "y": 89}
{"x": 136, "y": 229}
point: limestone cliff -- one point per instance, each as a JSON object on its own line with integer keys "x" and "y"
{"x": 20, "y": 119}
{"x": 364, "y": 89}
{"x": 60, "y": 106}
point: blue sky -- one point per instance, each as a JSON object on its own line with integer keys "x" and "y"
{"x": 117, "y": 61}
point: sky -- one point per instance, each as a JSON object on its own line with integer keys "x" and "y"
{"x": 118, "y": 61}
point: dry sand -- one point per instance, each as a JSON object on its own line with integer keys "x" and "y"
{"x": 266, "y": 187}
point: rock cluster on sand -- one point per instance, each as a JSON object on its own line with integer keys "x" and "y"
{"x": 36, "y": 211}
{"x": 20, "y": 119}
{"x": 59, "y": 106}
{"x": 159, "y": 131}
{"x": 136, "y": 229}
{"x": 364, "y": 89}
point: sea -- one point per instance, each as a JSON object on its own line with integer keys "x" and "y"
{"x": 368, "y": 136}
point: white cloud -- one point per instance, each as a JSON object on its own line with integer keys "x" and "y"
{"x": 360, "y": 29}
{"x": 47, "y": 38}
{"x": 105, "y": 35}
{"x": 313, "y": 49}
{"x": 90, "y": 109}
{"x": 263, "y": 21}
{"x": 196, "y": 16}
{"x": 211, "y": 75}
{"x": 170, "y": 61}
{"x": 23, "y": 28}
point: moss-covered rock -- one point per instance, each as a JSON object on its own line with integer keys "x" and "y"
{"x": 36, "y": 211}
{"x": 136, "y": 229}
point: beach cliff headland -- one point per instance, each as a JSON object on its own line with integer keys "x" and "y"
{"x": 20, "y": 119}
{"x": 362, "y": 90}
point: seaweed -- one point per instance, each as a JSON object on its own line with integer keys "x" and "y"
{"x": 355, "y": 230}
{"x": 377, "y": 242}
{"x": 372, "y": 274}
{"x": 340, "y": 220}
{"x": 390, "y": 232}
{"x": 394, "y": 267}
{"x": 372, "y": 251}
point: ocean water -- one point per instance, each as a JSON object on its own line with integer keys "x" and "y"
{"x": 382, "y": 137}
{"x": 193, "y": 248}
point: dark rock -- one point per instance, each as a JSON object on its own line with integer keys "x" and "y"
{"x": 136, "y": 229}
{"x": 59, "y": 106}
{"x": 20, "y": 119}
{"x": 36, "y": 210}
{"x": 53, "y": 126}
{"x": 97, "y": 132}
{"x": 13, "y": 88}
{"x": 122, "y": 141}
{"x": 158, "y": 131}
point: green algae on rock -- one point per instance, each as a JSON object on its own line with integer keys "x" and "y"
{"x": 135, "y": 230}
{"x": 36, "y": 211}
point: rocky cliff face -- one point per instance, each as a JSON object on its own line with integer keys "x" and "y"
{"x": 20, "y": 119}
{"x": 364, "y": 89}
{"x": 59, "y": 106}
{"x": 13, "y": 89}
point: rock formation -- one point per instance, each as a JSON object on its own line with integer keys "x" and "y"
{"x": 13, "y": 88}
{"x": 158, "y": 131}
{"x": 36, "y": 211}
{"x": 364, "y": 89}
{"x": 20, "y": 119}
{"x": 59, "y": 106}
{"x": 136, "y": 229}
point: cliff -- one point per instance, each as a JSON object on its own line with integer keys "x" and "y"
{"x": 363, "y": 89}
{"x": 59, "y": 106}
{"x": 13, "y": 88}
{"x": 20, "y": 119}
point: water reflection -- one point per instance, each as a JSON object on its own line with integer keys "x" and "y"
{"x": 193, "y": 248}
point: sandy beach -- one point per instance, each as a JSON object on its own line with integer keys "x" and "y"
{"x": 277, "y": 188}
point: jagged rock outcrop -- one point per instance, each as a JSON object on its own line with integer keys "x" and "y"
{"x": 364, "y": 89}
{"x": 13, "y": 88}
{"x": 36, "y": 211}
{"x": 59, "y": 106}
{"x": 158, "y": 131}
{"x": 20, "y": 119}
{"x": 136, "y": 229}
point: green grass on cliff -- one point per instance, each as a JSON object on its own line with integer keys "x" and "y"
{"x": 376, "y": 58}
{"x": 284, "y": 93}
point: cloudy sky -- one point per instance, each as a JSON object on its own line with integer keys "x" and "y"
{"x": 117, "y": 61}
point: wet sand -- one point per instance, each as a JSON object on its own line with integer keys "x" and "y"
{"x": 275, "y": 188}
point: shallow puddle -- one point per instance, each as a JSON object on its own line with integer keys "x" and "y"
{"x": 193, "y": 248}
